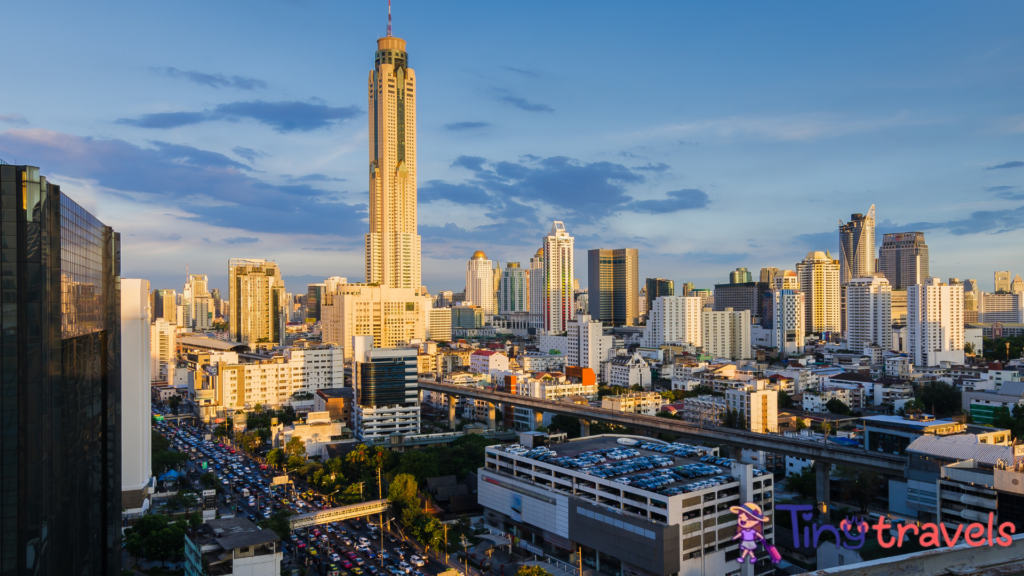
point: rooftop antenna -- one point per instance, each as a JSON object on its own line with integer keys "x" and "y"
{"x": 389, "y": 18}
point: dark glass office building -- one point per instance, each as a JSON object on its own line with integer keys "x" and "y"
{"x": 60, "y": 482}
{"x": 657, "y": 287}
{"x": 387, "y": 377}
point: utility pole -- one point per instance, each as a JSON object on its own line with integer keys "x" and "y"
{"x": 579, "y": 558}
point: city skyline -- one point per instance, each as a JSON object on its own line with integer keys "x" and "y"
{"x": 211, "y": 158}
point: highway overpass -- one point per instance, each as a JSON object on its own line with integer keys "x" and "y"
{"x": 822, "y": 453}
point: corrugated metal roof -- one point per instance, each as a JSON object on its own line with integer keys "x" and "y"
{"x": 960, "y": 447}
{"x": 1012, "y": 389}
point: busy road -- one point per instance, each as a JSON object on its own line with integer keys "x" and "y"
{"x": 351, "y": 548}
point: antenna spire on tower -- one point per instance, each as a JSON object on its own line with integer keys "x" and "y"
{"x": 389, "y": 18}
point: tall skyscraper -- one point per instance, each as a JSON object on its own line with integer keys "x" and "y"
{"x": 740, "y": 276}
{"x": 903, "y": 258}
{"x": 536, "y": 276}
{"x": 612, "y": 286}
{"x": 257, "y": 302}
{"x": 60, "y": 489}
{"x": 869, "y": 313}
{"x": 686, "y": 289}
{"x": 513, "y": 290}
{"x": 558, "y": 275}
{"x": 333, "y": 282}
{"x": 1002, "y": 281}
{"x": 767, "y": 275}
{"x": 658, "y": 287}
{"x": 392, "y": 245}
{"x": 819, "y": 281}
{"x": 136, "y": 397}
{"x": 935, "y": 323}
{"x": 314, "y": 298}
{"x": 785, "y": 280}
{"x": 386, "y": 393}
{"x": 788, "y": 320}
{"x": 1017, "y": 286}
{"x": 857, "y": 246}
{"x": 165, "y": 305}
{"x": 480, "y": 282}
{"x": 197, "y": 303}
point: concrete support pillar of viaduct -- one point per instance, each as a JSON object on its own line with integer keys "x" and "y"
{"x": 453, "y": 402}
{"x": 824, "y": 496}
{"x": 492, "y": 420}
{"x": 584, "y": 427}
{"x": 538, "y": 419}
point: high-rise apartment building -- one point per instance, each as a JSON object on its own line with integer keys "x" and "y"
{"x": 333, "y": 282}
{"x": 726, "y": 334}
{"x": 818, "y": 275}
{"x": 787, "y": 321}
{"x": 513, "y": 290}
{"x": 740, "y": 276}
{"x": 197, "y": 303}
{"x": 162, "y": 353}
{"x": 674, "y": 319}
{"x": 857, "y": 246}
{"x": 60, "y": 489}
{"x": 757, "y": 407}
{"x": 165, "y": 305}
{"x": 558, "y": 275}
{"x": 257, "y": 302}
{"x": 439, "y": 326}
{"x": 392, "y": 245}
{"x": 658, "y": 287}
{"x": 903, "y": 258}
{"x": 314, "y": 298}
{"x": 767, "y": 275}
{"x": 392, "y": 316}
{"x": 868, "y": 313}
{"x": 136, "y": 423}
{"x": 1002, "y": 281}
{"x": 686, "y": 289}
{"x": 217, "y": 302}
{"x": 587, "y": 345}
{"x": 536, "y": 277}
{"x": 613, "y": 278}
{"x": 706, "y": 295}
{"x": 785, "y": 280}
{"x": 386, "y": 391}
{"x": 935, "y": 323}
{"x": 480, "y": 282}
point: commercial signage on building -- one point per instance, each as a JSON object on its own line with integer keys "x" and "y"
{"x": 277, "y": 480}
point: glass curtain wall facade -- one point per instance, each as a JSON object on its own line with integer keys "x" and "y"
{"x": 61, "y": 482}
{"x": 659, "y": 287}
{"x": 387, "y": 377}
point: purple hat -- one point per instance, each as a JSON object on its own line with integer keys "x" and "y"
{"x": 750, "y": 509}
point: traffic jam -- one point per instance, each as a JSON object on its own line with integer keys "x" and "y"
{"x": 349, "y": 548}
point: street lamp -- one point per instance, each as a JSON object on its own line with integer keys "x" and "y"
{"x": 465, "y": 552}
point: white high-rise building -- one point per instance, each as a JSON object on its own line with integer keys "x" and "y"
{"x": 673, "y": 319}
{"x": 136, "y": 425}
{"x": 935, "y": 323}
{"x": 559, "y": 307}
{"x": 869, "y": 313}
{"x": 162, "y": 345}
{"x": 333, "y": 282}
{"x": 819, "y": 281}
{"x": 197, "y": 303}
{"x": 480, "y": 282}
{"x": 536, "y": 277}
{"x": 1005, "y": 308}
{"x": 587, "y": 346}
{"x": 726, "y": 334}
{"x": 513, "y": 290}
{"x": 788, "y": 317}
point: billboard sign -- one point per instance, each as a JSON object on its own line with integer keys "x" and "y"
{"x": 278, "y": 480}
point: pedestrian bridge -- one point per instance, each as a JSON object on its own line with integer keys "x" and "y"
{"x": 321, "y": 517}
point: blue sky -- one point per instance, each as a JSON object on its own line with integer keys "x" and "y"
{"x": 707, "y": 135}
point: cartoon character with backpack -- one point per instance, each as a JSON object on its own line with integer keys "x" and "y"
{"x": 750, "y": 531}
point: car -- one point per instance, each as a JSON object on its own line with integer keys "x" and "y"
{"x": 312, "y": 552}
{"x": 417, "y": 561}
{"x": 360, "y": 561}
{"x": 348, "y": 565}
{"x": 357, "y": 571}
{"x": 405, "y": 566}
{"x": 335, "y": 557}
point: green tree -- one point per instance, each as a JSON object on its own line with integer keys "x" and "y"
{"x": 567, "y": 424}
{"x": 297, "y": 463}
{"x": 784, "y": 400}
{"x": 669, "y": 415}
{"x": 805, "y": 483}
{"x": 403, "y": 492}
{"x": 208, "y": 480}
{"x": 532, "y": 571}
{"x": 733, "y": 419}
{"x": 863, "y": 485}
{"x": 969, "y": 348}
{"x": 295, "y": 447}
{"x": 174, "y": 402}
{"x": 914, "y": 406}
{"x": 826, "y": 428}
{"x": 250, "y": 441}
{"x": 275, "y": 458}
{"x": 156, "y": 538}
{"x": 278, "y": 522}
{"x": 941, "y": 398}
{"x": 421, "y": 464}
{"x": 800, "y": 424}
{"x": 837, "y": 406}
